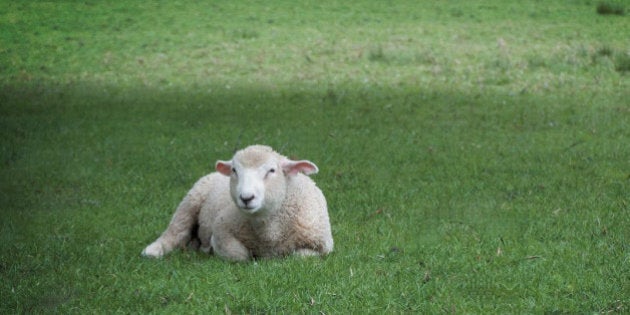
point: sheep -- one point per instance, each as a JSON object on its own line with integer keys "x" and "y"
{"x": 260, "y": 204}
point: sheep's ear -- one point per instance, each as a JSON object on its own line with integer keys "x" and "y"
{"x": 293, "y": 167}
{"x": 224, "y": 167}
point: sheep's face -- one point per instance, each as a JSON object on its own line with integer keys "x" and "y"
{"x": 258, "y": 177}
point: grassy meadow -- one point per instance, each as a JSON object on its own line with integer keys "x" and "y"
{"x": 475, "y": 154}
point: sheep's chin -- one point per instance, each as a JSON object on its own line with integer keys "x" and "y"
{"x": 252, "y": 210}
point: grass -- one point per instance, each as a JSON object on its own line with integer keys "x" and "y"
{"x": 606, "y": 8}
{"x": 474, "y": 155}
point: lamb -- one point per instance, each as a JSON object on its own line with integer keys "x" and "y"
{"x": 260, "y": 204}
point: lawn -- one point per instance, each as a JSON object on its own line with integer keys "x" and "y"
{"x": 475, "y": 155}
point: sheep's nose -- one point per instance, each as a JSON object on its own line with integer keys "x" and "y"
{"x": 246, "y": 199}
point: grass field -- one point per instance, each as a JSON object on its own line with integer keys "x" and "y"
{"x": 475, "y": 154}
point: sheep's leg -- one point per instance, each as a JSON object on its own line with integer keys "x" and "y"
{"x": 179, "y": 229}
{"x": 229, "y": 248}
{"x": 306, "y": 252}
{"x": 204, "y": 234}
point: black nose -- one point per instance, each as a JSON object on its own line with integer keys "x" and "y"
{"x": 246, "y": 199}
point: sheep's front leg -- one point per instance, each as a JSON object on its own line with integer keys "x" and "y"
{"x": 229, "y": 248}
{"x": 306, "y": 252}
{"x": 205, "y": 235}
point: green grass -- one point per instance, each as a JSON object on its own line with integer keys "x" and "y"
{"x": 474, "y": 155}
{"x": 606, "y": 8}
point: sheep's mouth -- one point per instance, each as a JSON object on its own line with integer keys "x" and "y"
{"x": 249, "y": 209}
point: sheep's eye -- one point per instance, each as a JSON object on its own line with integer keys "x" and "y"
{"x": 234, "y": 170}
{"x": 270, "y": 171}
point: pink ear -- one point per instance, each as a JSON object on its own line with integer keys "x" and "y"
{"x": 293, "y": 167}
{"x": 224, "y": 167}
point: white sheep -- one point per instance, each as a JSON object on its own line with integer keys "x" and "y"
{"x": 259, "y": 204}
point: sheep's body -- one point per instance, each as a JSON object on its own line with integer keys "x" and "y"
{"x": 239, "y": 219}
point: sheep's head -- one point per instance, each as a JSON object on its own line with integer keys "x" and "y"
{"x": 259, "y": 175}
